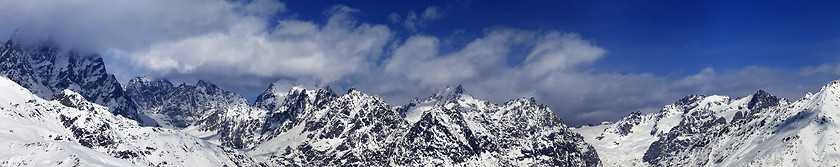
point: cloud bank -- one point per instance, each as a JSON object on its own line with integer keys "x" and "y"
{"x": 244, "y": 46}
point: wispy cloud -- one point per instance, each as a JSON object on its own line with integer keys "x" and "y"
{"x": 414, "y": 21}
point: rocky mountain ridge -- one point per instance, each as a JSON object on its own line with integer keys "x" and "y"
{"x": 756, "y": 130}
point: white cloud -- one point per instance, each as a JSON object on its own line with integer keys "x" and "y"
{"x": 296, "y": 49}
{"x": 418, "y": 60}
{"x": 557, "y": 51}
{"x": 99, "y": 25}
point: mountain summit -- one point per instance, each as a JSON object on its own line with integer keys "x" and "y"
{"x": 47, "y": 70}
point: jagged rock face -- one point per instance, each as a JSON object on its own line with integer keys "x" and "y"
{"x": 697, "y": 118}
{"x": 203, "y": 104}
{"x": 449, "y": 128}
{"x": 46, "y": 71}
{"x": 14, "y": 65}
{"x": 354, "y": 129}
{"x": 761, "y": 100}
{"x": 74, "y": 131}
{"x": 148, "y": 94}
{"x": 626, "y": 124}
{"x": 297, "y": 108}
{"x": 270, "y": 99}
{"x": 519, "y": 132}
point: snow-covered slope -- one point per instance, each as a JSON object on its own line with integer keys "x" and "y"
{"x": 638, "y": 140}
{"x": 802, "y": 133}
{"x": 70, "y": 131}
{"x": 47, "y": 70}
{"x": 756, "y": 130}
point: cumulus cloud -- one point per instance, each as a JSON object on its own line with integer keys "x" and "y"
{"x": 417, "y": 59}
{"x": 297, "y": 49}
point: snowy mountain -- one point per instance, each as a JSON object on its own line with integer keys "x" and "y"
{"x": 649, "y": 139}
{"x": 273, "y": 97}
{"x": 756, "y": 130}
{"x": 318, "y": 127}
{"x": 48, "y": 70}
{"x": 801, "y": 133}
{"x": 70, "y": 131}
{"x": 197, "y": 108}
{"x": 293, "y": 125}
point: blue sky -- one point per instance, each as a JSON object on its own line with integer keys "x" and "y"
{"x": 589, "y": 61}
{"x": 663, "y": 37}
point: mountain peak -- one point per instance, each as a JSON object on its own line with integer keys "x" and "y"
{"x": 829, "y": 92}
{"x": 690, "y": 99}
{"x": 450, "y": 92}
{"x": 205, "y": 84}
{"x": 832, "y": 85}
{"x": 761, "y": 92}
{"x": 69, "y": 98}
{"x": 460, "y": 89}
{"x": 271, "y": 87}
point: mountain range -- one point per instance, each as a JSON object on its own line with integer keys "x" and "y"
{"x": 151, "y": 122}
{"x": 60, "y": 107}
